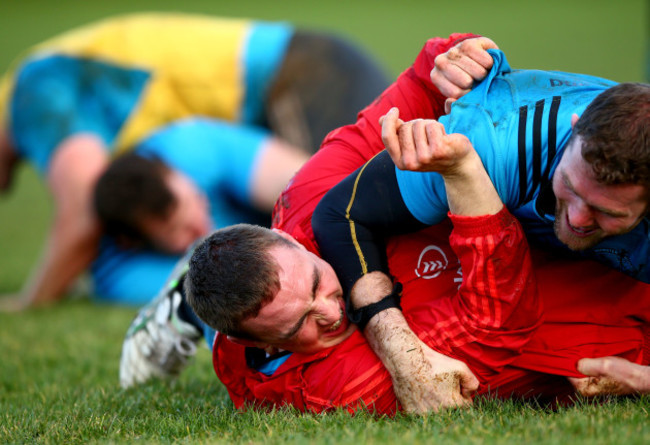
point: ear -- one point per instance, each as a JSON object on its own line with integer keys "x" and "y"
{"x": 288, "y": 237}
{"x": 247, "y": 343}
{"x": 574, "y": 119}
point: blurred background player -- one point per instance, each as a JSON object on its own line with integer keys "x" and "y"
{"x": 71, "y": 104}
{"x": 175, "y": 187}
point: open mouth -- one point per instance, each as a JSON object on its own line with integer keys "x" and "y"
{"x": 337, "y": 324}
{"x": 579, "y": 232}
{"x": 341, "y": 325}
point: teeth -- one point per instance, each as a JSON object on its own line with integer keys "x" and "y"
{"x": 336, "y": 325}
{"x": 581, "y": 231}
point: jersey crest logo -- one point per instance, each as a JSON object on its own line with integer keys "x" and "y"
{"x": 431, "y": 263}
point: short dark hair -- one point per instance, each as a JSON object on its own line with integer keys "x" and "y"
{"x": 132, "y": 187}
{"x": 615, "y": 135}
{"x": 232, "y": 275}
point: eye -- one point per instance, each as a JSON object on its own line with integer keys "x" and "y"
{"x": 606, "y": 215}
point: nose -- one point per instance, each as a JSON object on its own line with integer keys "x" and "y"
{"x": 200, "y": 229}
{"x": 580, "y": 215}
{"x": 188, "y": 236}
{"x": 195, "y": 229}
{"x": 182, "y": 244}
{"x": 328, "y": 311}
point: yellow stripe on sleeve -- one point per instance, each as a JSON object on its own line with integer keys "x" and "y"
{"x": 353, "y": 231}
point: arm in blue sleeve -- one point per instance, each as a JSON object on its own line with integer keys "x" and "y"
{"x": 355, "y": 217}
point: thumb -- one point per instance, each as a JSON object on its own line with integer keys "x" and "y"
{"x": 392, "y": 113}
{"x": 398, "y": 124}
{"x": 468, "y": 384}
{"x": 589, "y": 366}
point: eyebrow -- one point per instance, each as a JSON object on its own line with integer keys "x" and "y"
{"x": 315, "y": 283}
{"x": 615, "y": 213}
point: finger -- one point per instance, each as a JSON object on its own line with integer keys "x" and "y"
{"x": 388, "y": 120}
{"x": 467, "y": 68}
{"x": 590, "y": 367}
{"x": 421, "y": 142}
{"x": 435, "y": 132}
{"x": 603, "y": 366}
{"x": 476, "y": 50}
{"x": 399, "y": 121}
{"x": 456, "y": 70}
{"x": 407, "y": 147}
{"x": 615, "y": 368}
{"x": 389, "y": 133}
{"x": 450, "y": 80}
{"x": 461, "y": 400}
{"x": 448, "y": 103}
{"x": 471, "y": 62}
{"x": 458, "y": 145}
{"x": 469, "y": 384}
{"x": 487, "y": 43}
{"x": 632, "y": 374}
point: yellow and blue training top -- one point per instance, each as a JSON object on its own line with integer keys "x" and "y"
{"x": 125, "y": 77}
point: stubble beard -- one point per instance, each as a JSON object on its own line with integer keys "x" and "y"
{"x": 573, "y": 242}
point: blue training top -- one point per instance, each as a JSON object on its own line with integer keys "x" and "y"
{"x": 519, "y": 122}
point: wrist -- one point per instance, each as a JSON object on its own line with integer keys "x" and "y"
{"x": 362, "y": 315}
{"x": 391, "y": 338}
{"x": 465, "y": 169}
{"x": 369, "y": 289}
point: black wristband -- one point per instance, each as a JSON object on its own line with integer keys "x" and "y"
{"x": 362, "y": 316}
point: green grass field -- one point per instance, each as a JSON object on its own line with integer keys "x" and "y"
{"x": 58, "y": 367}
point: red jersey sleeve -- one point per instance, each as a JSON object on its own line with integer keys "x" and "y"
{"x": 348, "y": 148}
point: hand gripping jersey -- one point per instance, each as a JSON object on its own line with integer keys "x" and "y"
{"x": 347, "y": 148}
{"x": 519, "y": 122}
{"x": 350, "y": 374}
{"x": 491, "y": 318}
{"x": 470, "y": 297}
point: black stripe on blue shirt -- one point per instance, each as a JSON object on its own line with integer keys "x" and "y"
{"x": 537, "y": 147}
{"x": 552, "y": 134}
{"x": 538, "y": 178}
{"x": 521, "y": 144}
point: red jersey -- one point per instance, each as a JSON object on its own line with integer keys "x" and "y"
{"x": 492, "y": 323}
{"x": 490, "y": 317}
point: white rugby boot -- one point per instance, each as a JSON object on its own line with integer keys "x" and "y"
{"x": 158, "y": 344}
